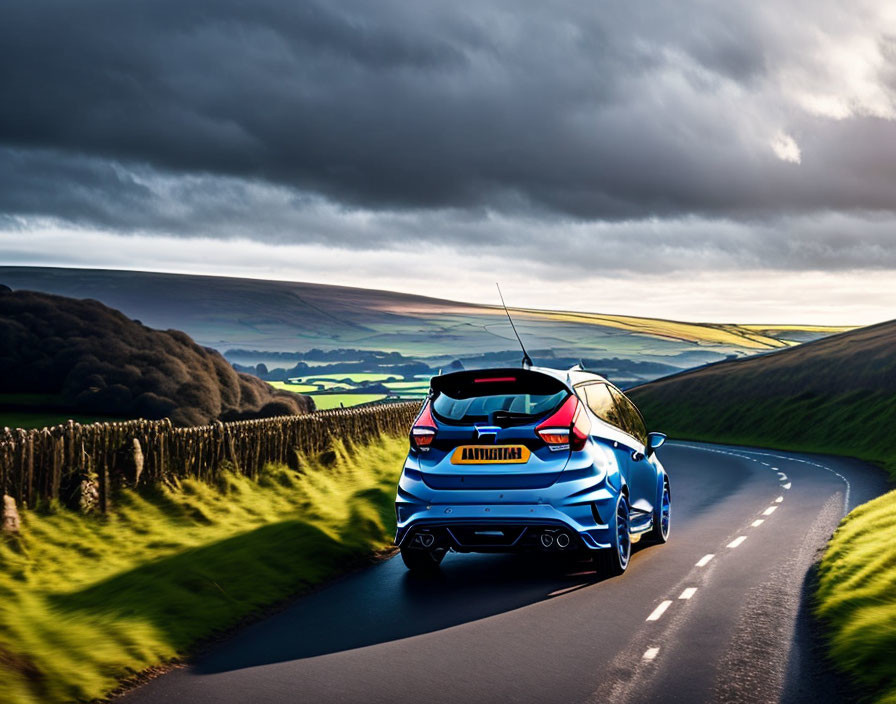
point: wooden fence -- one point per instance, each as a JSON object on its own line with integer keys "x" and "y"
{"x": 58, "y": 463}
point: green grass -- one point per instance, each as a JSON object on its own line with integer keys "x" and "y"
{"x": 857, "y": 596}
{"x": 356, "y": 377}
{"x": 324, "y": 402}
{"x": 87, "y": 600}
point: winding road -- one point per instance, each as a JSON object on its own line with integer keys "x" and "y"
{"x": 719, "y": 614}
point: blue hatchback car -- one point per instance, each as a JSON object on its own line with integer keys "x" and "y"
{"x": 505, "y": 460}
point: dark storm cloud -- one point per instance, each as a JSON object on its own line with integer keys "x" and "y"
{"x": 227, "y": 118}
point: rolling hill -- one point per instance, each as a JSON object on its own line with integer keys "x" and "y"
{"x": 277, "y": 316}
{"x": 835, "y": 395}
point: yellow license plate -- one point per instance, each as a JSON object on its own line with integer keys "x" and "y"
{"x": 490, "y": 454}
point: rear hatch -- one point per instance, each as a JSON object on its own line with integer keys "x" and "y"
{"x": 485, "y": 430}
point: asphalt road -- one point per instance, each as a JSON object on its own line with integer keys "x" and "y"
{"x": 717, "y": 614}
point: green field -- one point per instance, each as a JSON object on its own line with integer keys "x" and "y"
{"x": 85, "y": 601}
{"x": 351, "y": 376}
{"x": 407, "y": 386}
{"x": 330, "y": 391}
{"x": 329, "y": 385}
{"x": 325, "y": 402}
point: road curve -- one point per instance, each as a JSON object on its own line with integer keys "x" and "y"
{"x": 717, "y": 614}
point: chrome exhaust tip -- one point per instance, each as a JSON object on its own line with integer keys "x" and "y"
{"x": 426, "y": 539}
{"x": 546, "y": 540}
{"x": 563, "y": 540}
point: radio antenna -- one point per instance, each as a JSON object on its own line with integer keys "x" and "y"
{"x": 527, "y": 360}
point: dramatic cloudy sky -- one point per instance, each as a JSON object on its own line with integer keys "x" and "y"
{"x": 692, "y": 159}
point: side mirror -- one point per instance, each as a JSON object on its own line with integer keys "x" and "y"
{"x": 654, "y": 440}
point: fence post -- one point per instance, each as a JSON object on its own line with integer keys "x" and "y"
{"x": 29, "y": 468}
{"x": 11, "y": 522}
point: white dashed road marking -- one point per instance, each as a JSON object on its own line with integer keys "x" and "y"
{"x": 737, "y": 541}
{"x": 688, "y": 593}
{"x": 659, "y": 611}
{"x": 758, "y": 522}
{"x": 779, "y": 499}
{"x": 703, "y": 560}
{"x": 769, "y": 511}
{"x": 783, "y": 457}
{"x": 650, "y": 653}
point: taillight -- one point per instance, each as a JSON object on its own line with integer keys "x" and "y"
{"x": 568, "y": 427}
{"x": 423, "y": 432}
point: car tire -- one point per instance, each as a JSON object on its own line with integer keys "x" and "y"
{"x": 613, "y": 561}
{"x": 419, "y": 560}
{"x": 662, "y": 516}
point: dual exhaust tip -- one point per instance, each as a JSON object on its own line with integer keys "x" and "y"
{"x": 548, "y": 540}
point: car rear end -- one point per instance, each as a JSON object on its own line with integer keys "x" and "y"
{"x": 501, "y": 460}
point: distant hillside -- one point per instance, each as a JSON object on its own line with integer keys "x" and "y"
{"x": 81, "y": 356}
{"x": 278, "y": 316}
{"x": 834, "y": 395}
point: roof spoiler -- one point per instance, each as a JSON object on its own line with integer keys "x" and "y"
{"x": 484, "y": 382}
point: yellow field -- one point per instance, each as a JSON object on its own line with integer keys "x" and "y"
{"x": 296, "y": 388}
{"x": 750, "y": 336}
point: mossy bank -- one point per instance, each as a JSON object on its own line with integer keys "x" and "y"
{"x": 88, "y": 600}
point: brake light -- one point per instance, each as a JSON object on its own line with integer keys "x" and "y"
{"x": 568, "y": 427}
{"x": 423, "y": 432}
{"x": 494, "y": 379}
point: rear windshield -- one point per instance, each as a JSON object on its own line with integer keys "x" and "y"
{"x": 496, "y": 407}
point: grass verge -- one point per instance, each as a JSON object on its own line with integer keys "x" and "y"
{"x": 88, "y": 600}
{"x": 857, "y": 596}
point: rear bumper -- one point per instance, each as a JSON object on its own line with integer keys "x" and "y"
{"x": 500, "y": 535}
{"x": 494, "y": 536}
{"x": 578, "y": 504}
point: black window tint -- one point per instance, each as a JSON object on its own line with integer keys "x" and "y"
{"x": 632, "y": 422}
{"x": 598, "y": 398}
